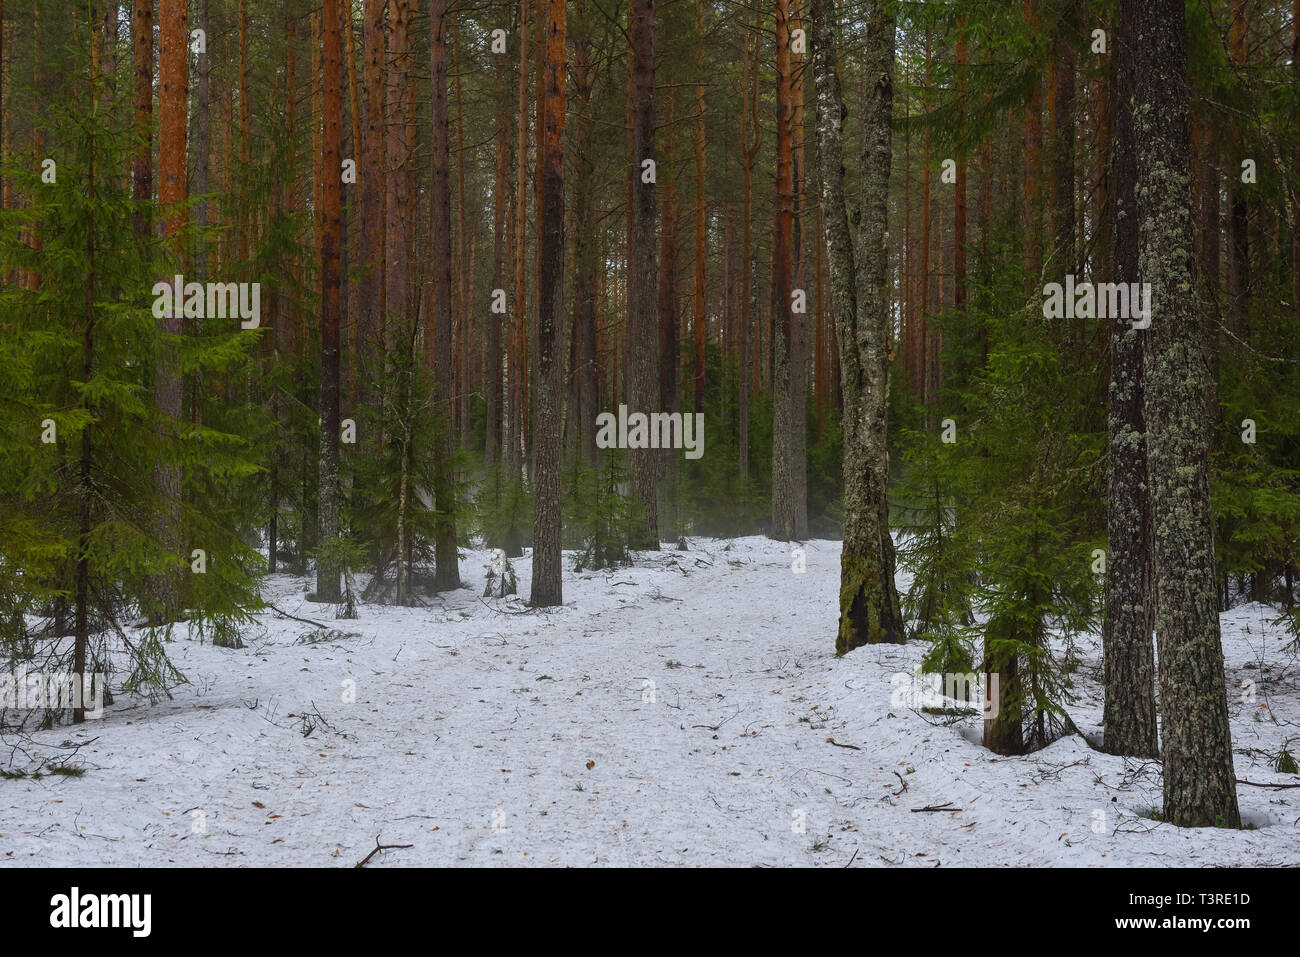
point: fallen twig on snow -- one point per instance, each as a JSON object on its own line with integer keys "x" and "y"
{"x": 381, "y": 847}
{"x": 1278, "y": 787}
{"x": 305, "y": 621}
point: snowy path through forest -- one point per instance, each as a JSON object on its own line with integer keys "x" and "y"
{"x": 484, "y": 733}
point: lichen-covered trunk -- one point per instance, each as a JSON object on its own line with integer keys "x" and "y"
{"x": 1129, "y": 712}
{"x": 869, "y": 609}
{"x": 1199, "y": 782}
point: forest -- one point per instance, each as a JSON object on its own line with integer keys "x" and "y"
{"x": 912, "y": 381}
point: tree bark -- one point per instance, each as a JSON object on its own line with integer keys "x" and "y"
{"x": 447, "y": 570}
{"x": 1129, "y": 711}
{"x": 1238, "y": 211}
{"x": 547, "y": 556}
{"x": 500, "y": 216}
{"x": 370, "y": 320}
{"x": 512, "y": 453}
{"x": 700, "y": 319}
{"x": 173, "y": 70}
{"x": 789, "y": 508}
{"x": 749, "y": 153}
{"x": 869, "y": 610}
{"x": 1033, "y": 214}
{"x": 142, "y": 160}
{"x": 585, "y": 254}
{"x": 1199, "y": 782}
{"x": 328, "y": 572}
{"x": 643, "y": 339}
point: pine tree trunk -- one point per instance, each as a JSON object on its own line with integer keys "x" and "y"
{"x": 500, "y": 216}
{"x": 173, "y": 68}
{"x": 749, "y": 153}
{"x": 547, "y": 557}
{"x": 789, "y": 515}
{"x": 511, "y": 454}
{"x": 447, "y": 574}
{"x": 1063, "y": 156}
{"x": 1238, "y": 212}
{"x": 328, "y": 571}
{"x": 370, "y": 294}
{"x": 85, "y": 487}
{"x": 465, "y": 276}
{"x": 925, "y": 359}
{"x": 142, "y": 161}
{"x": 700, "y": 318}
{"x": 1033, "y": 214}
{"x": 643, "y": 357}
{"x": 1129, "y": 712}
{"x": 669, "y": 345}
{"x": 202, "y": 143}
{"x": 959, "y": 196}
{"x": 869, "y": 610}
{"x": 245, "y": 140}
{"x": 1295, "y": 191}
{"x": 586, "y": 254}
{"x": 1208, "y": 265}
{"x": 1199, "y": 783}
{"x": 4, "y": 113}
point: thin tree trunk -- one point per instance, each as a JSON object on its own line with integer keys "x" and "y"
{"x": 643, "y": 365}
{"x": 585, "y": 254}
{"x": 500, "y": 216}
{"x": 142, "y": 160}
{"x": 328, "y": 572}
{"x": 700, "y": 314}
{"x": 959, "y": 197}
{"x": 202, "y": 143}
{"x": 749, "y": 153}
{"x": 511, "y": 455}
{"x": 465, "y": 276}
{"x": 1033, "y": 158}
{"x": 1238, "y": 212}
{"x": 370, "y": 295}
{"x": 173, "y": 68}
{"x": 547, "y": 557}
{"x": 1295, "y": 191}
{"x": 789, "y": 515}
{"x": 447, "y": 575}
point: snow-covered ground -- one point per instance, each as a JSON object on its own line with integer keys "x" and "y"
{"x": 484, "y": 733}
